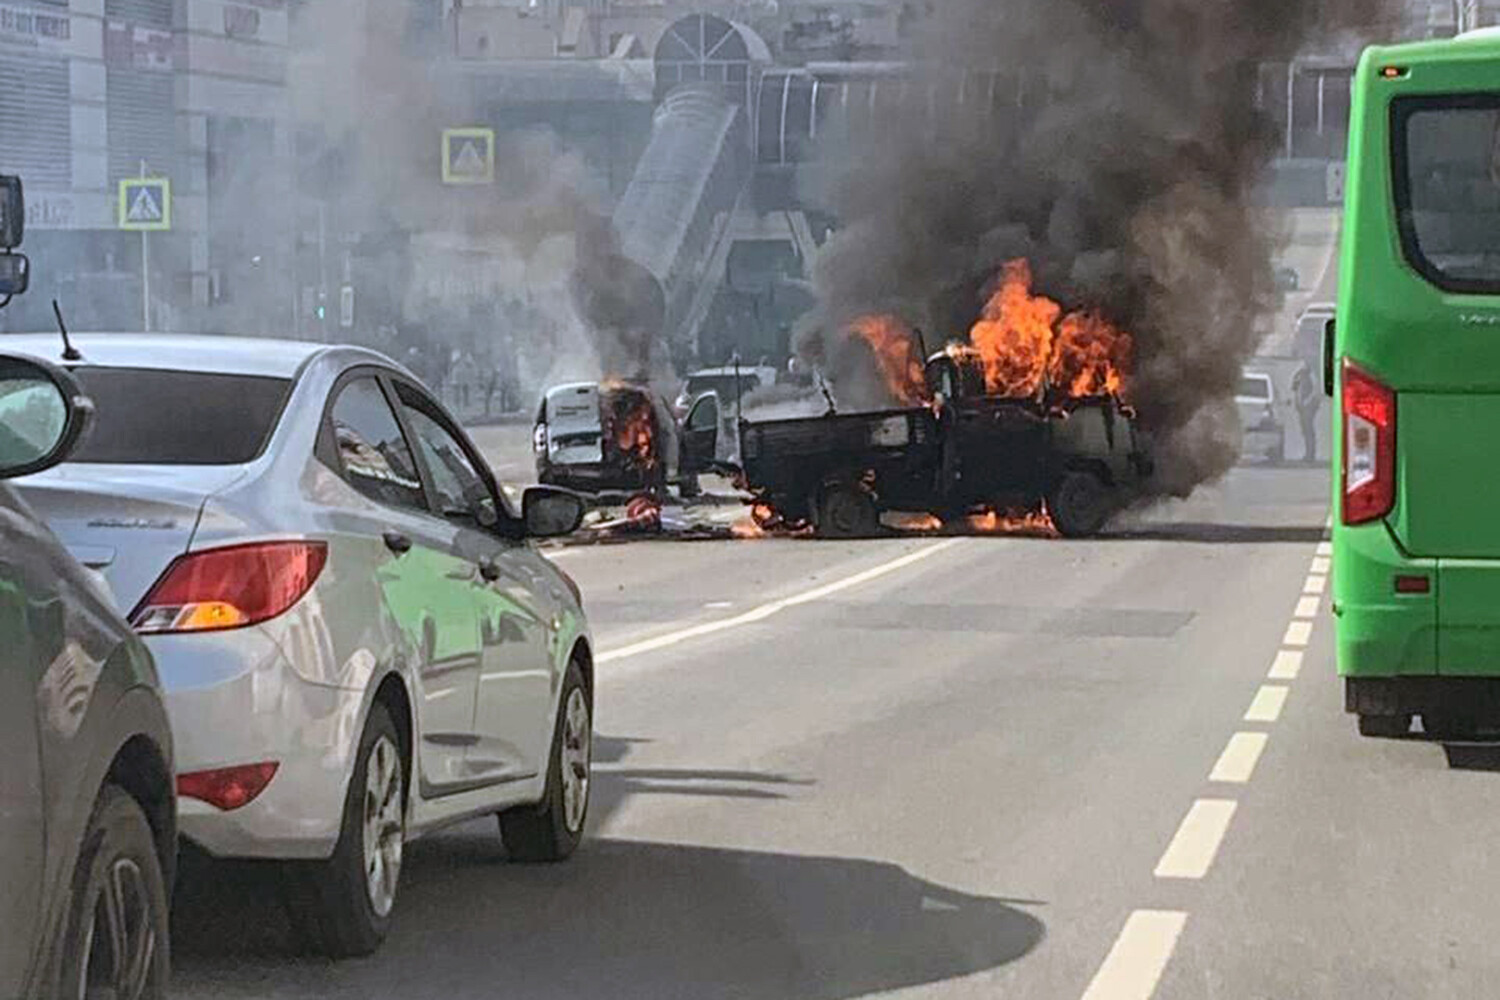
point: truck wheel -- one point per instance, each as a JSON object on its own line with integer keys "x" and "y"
{"x": 1080, "y": 504}
{"x": 1386, "y": 726}
{"x": 847, "y": 512}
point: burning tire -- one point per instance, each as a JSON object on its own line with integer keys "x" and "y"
{"x": 847, "y": 511}
{"x": 1080, "y": 504}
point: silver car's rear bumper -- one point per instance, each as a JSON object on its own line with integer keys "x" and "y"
{"x": 234, "y": 699}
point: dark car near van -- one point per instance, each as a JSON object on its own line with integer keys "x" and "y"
{"x": 87, "y": 805}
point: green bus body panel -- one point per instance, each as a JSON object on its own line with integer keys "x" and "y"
{"x": 1380, "y": 633}
{"x": 1469, "y": 618}
{"x": 1448, "y": 474}
{"x": 1409, "y": 334}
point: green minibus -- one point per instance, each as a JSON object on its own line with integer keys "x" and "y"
{"x": 1413, "y": 361}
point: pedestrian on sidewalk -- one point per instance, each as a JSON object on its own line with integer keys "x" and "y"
{"x": 1308, "y": 399}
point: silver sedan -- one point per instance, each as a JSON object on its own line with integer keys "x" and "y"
{"x": 357, "y": 639}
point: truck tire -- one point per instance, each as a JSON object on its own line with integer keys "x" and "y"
{"x": 1080, "y": 504}
{"x": 846, "y": 511}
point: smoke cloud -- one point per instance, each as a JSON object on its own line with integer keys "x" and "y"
{"x": 1128, "y": 186}
{"x": 502, "y": 270}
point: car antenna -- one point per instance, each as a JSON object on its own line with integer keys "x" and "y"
{"x": 70, "y": 353}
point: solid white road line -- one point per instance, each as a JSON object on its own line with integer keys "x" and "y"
{"x": 1307, "y": 606}
{"x": 1297, "y": 634}
{"x": 1325, "y": 548}
{"x": 1267, "y": 704}
{"x": 1237, "y": 762}
{"x": 1286, "y": 666}
{"x": 1139, "y": 956}
{"x": 1191, "y": 852}
{"x": 1319, "y": 565}
{"x": 764, "y": 611}
{"x": 1315, "y": 584}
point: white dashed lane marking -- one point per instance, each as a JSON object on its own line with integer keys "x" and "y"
{"x": 1139, "y": 956}
{"x": 1134, "y": 965}
{"x": 1286, "y": 666}
{"x": 1297, "y": 634}
{"x": 1237, "y": 763}
{"x": 1192, "y": 850}
{"x": 1267, "y": 705}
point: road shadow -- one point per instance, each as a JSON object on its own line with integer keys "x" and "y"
{"x": 237, "y": 907}
{"x": 644, "y": 920}
{"x": 1218, "y": 534}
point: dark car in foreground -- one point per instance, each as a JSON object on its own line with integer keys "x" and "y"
{"x": 87, "y": 807}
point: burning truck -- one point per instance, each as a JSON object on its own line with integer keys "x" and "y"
{"x": 1028, "y": 418}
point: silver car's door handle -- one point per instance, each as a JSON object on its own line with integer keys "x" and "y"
{"x": 489, "y": 569}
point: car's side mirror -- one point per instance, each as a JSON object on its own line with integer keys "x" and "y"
{"x": 15, "y": 274}
{"x": 550, "y": 512}
{"x": 43, "y": 414}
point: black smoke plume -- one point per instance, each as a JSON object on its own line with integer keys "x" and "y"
{"x": 1121, "y": 157}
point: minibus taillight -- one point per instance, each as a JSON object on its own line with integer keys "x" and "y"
{"x": 1369, "y": 427}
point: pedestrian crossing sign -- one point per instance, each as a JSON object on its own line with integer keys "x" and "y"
{"x": 468, "y": 156}
{"x": 145, "y": 204}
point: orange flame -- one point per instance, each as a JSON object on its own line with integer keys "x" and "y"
{"x": 1026, "y": 344}
{"x": 895, "y": 347}
{"x": 1036, "y": 523}
{"x": 632, "y": 426}
{"x": 1014, "y": 335}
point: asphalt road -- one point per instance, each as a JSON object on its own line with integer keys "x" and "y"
{"x": 971, "y": 767}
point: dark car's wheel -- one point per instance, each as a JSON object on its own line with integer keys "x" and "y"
{"x": 1080, "y": 504}
{"x": 115, "y": 940}
{"x": 342, "y": 907}
{"x": 847, "y": 511}
{"x": 552, "y": 829}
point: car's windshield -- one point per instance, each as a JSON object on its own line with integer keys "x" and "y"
{"x": 724, "y": 385}
{"x": 1255, "y": 387}
{"x": 163, "y": 417}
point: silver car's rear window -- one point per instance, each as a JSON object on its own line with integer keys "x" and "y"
{"x": 155, "y": 417}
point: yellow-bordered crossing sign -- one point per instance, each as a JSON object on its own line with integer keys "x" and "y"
{"x": 468, "y": 156}
{"x": 145, "y": 204}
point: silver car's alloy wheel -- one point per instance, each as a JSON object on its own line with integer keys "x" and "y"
{"x": 577, "y": 753}
{"x": 119, "y": 944}
{"x": 384, "y": 824}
